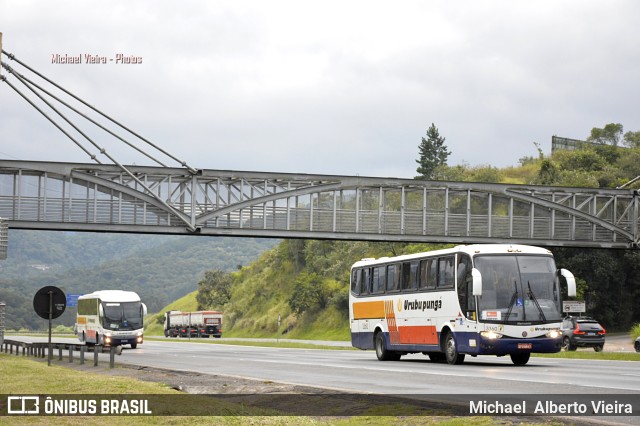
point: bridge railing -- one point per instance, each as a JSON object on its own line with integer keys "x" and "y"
{"x": 65, "y": 196}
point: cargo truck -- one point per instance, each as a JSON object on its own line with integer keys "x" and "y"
{"x": 193, "y": 324}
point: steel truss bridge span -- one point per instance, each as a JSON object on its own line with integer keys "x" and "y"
{"x": 103, "y": 198}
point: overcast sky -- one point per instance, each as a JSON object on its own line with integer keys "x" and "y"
{"x": 329, "y": 87}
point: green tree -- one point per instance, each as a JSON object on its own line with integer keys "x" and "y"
{"x": 308, "y": 294}
{"x": 632, "y": 139}
{"x": 609, "y": 134}
{"x": 433, "y": 153}
{"x": 214, "y": 290}
{"x": 548, "y": 174}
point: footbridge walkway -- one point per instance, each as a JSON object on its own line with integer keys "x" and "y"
{"x": 143, "y": 199}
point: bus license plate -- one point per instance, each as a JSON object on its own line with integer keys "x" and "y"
{"x": 525, "y": 345}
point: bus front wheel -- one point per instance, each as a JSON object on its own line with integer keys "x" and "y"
{"x": 520, "y": 359}
{"x": 451, "y": 351}
{"x": 382, "y": 352}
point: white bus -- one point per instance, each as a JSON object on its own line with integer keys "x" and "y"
{"x": 110, "y": 318}
{"x": 469, "y": 300}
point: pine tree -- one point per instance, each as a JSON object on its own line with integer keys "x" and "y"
{"x": 433, "y": 153}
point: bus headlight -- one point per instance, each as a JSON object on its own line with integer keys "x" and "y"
{"x": 491, "y": 335}
{"x": 554, "y": 334}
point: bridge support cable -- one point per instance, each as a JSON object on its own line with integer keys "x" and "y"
{"x": 103, "y": 151}
{"x": 151, "y": 144}
{"x": 30, "y": 85}
{"x": 92, "y": 156}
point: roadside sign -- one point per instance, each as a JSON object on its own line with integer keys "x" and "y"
{"x": 49, "y": 300}
{"x": 573, "y": 306}
{"x": 49, "y": 303}
{"x": 72, "y": 300}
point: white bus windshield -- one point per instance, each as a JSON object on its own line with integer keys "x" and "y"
{"x": 518, "y": 289}
{"x": 122, "y": 315}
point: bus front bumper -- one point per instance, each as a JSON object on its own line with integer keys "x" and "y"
{"x": 509, "y": 345}
{"x": 123, "y": 339}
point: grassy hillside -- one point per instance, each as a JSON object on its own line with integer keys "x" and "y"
{"x": 304, "y": 283}
{"x": 155, "y": 321}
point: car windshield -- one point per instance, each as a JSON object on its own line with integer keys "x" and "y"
{"x": 589, "y": 325}
{"x": 518, "y": 288}
{"x": 122, "y": 315}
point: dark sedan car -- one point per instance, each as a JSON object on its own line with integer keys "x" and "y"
{"x": 636, "y": 344}
{"x": 582, "y": 332}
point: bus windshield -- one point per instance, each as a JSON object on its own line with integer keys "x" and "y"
{"x": 517, "y": 289}
{"x": 122, "y": 315}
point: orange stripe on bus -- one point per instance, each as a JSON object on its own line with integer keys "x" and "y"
{"x": 82, "y": 320}
{"x": 418, "y": 334}
{"x": 363, "y": 310}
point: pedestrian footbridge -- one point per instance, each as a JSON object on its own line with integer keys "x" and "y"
{"x": 143, "y": 199}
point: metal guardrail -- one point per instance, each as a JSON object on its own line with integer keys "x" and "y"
{"x": 39, "y": 350}
{"x": 2, "y": 324}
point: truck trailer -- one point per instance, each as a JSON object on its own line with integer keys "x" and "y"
{"x": 193, "y": 324}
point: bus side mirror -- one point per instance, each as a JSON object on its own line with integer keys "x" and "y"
{"x": 571, "y": 282}
{"x": 477, "y": 282}
{"x": 100, "y": 310}
{"x": 144, "y": 309}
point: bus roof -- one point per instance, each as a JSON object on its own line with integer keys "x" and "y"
{"x": 112, "y": 296}
{"x": 472, "y": 250}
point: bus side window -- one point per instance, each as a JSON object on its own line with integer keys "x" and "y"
{"x": 465, "y": 284}
{"x": 365, "y": 282}
{"x": 356, "y": 276}
{"x": 428, "y": 274}
{"x": 393, "y": 277}
{"x": 379, "y": 279}
{"x": 88, "y": 307}
{"x": 410, "y": 276}
{"x": 446, "y": 272}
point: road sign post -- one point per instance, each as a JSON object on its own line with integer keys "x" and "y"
{"x": 49, "y": 303}
{"x": 72, "y": 300}
{"x": 570, "y": 306}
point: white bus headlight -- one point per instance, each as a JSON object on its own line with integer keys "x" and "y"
{"x": 492, "y": 335}
{"x": 554, "y": 334}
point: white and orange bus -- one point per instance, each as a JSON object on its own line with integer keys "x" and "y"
{"x": 494, "y": 299}
{"x": 110, "y": 318}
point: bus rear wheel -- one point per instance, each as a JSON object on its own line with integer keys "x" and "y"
{"x": 520, "y": 359}
{"x": 451, "y": 351}
{"x": 382, "y": 352}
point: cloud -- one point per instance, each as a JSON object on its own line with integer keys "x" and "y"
{"x": 328, "y": 87}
